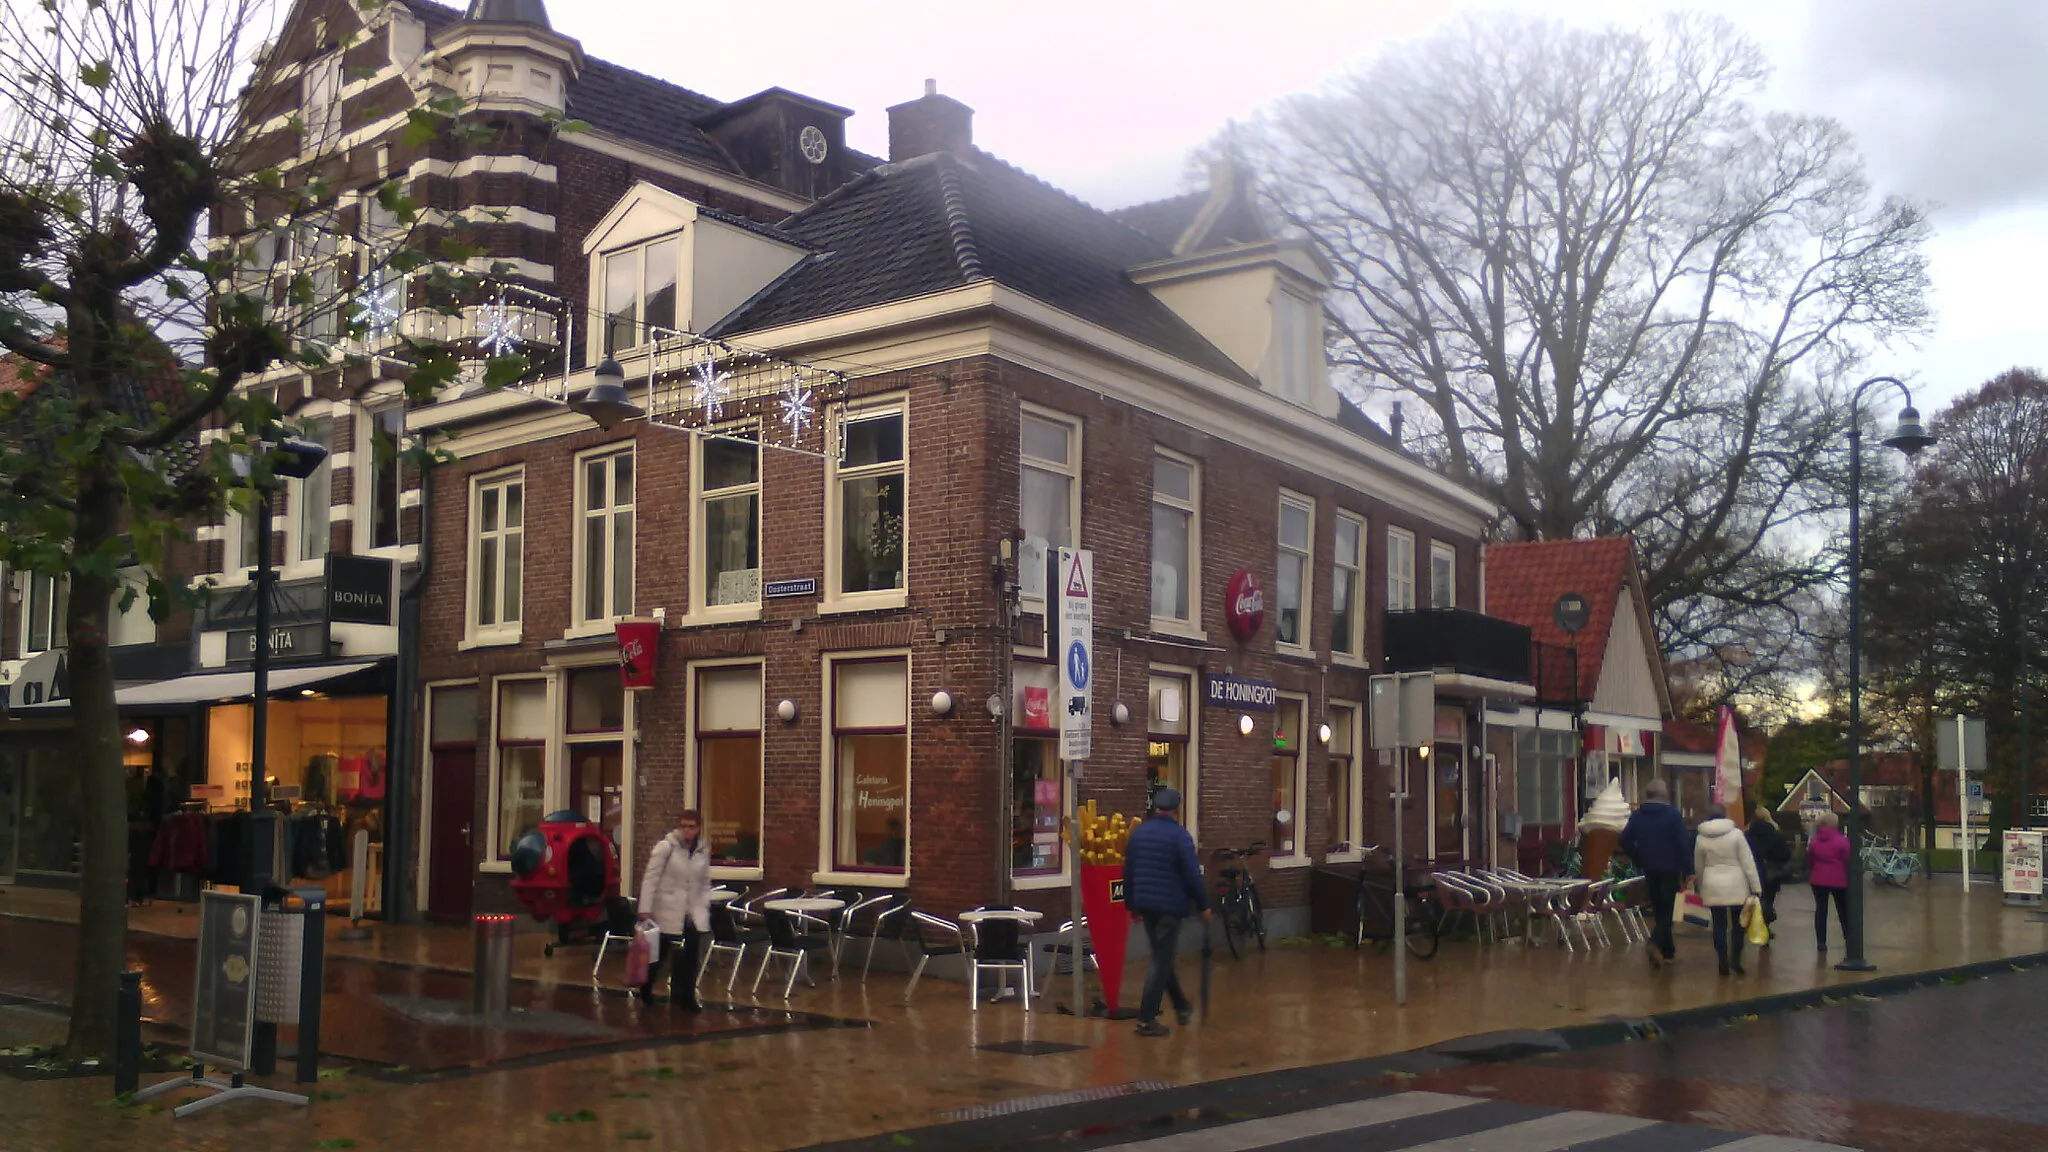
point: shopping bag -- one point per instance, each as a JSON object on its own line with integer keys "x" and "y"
{"x": 1759, "y": 928}
{"x": 1695, "y": 911}
{"x": 636, "y": 961}
{"x": 1748, "y": 911}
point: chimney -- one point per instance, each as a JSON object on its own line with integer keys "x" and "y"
{"x": 933, "y": 123}
{"x": 1394, "y": 424}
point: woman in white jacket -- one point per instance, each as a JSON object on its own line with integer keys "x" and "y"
{"x": 675, "y": 893}
{"x": 1728, "y": 878}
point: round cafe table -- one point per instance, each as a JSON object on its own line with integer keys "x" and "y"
{"x": 723, "y": 896}
{"x": 811, "y": 904}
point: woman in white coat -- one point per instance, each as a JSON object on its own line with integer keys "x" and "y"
{"x": 1728, "y": 878}
{"x": 675, "y": 893}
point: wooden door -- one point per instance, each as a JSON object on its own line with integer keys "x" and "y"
{"x": 452, "y": 862}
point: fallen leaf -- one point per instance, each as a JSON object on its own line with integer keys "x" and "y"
{"x": 335, "y": 1142}
{"x": 636, "y": 1134}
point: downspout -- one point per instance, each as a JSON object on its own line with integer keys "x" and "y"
{"x": 402, "y": 826}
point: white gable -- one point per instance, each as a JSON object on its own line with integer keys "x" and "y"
{"x": 1630, "y": 670}
{"x": 721, "y": 264}
{"x": 642, "y": 214}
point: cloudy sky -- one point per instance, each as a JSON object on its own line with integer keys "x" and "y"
{"x": 1106, "y": 98}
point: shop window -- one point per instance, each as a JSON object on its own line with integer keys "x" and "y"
{"x": 1342, "y": 817}
{"x": 729, "y": 524}
{"x": 1048, "y": 492}
{"x": 1289, "y": 748}
{"x": 1443, "y": 575}
{"x": 1543, "y": 765}
{"x": 640, "y": 294}
{"x": 1347, "y": 585}
{"x": 871, "y": 765}
{"x": 865, "y": 512}
{"x": 519, "y": 786}
{"x": 1039, "y": 799}
{"x": 386, "y": 442}
{"x": 1170, "y": 725}
{"x": 728, "y": 729}
{"x": 594, "y": 751}
{"x": 1400, "y": 570}
{"x": 313, "y": 498}
{"x": 45, "y": 602}
{"x": 497, "y": 555}
{"x": 604, "y": 543}
{"x": 1176, "y": 499}
{"x": 51, "y": 817}
{"x": 1294, "y": 563}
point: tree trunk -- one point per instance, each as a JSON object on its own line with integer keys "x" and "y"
{"x": 103, "y": 903}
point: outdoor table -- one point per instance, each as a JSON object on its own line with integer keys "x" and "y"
{"x": 723, "y": 896}
{"x": 1018, "y": 916}
{"x": 811, "y": 907}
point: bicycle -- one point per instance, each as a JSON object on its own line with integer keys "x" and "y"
{"x": 1422, "y": 917}
{"x": 1237, "y": 898}
{"x": 1893, "y": 866}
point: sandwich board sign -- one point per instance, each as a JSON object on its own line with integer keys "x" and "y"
{"x": 1073, "y": 640}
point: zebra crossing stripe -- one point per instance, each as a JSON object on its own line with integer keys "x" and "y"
{"x": 1272, "y": 1130}
{"x": 1543, "y": 1134}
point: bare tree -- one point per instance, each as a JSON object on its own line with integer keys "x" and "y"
{"x": 166, "y": 216}
{"x": 1616, "y": 288}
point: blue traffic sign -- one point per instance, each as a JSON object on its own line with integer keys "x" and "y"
{"x": 1077, "y": 665}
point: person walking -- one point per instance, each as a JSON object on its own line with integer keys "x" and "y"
{"x": 1827, "y": 859}
{"x": 1773, "y": 858}
{"x": 1655, "y": 838}
{"x": 675, "y": 893}
{"x": 1163, "y": 885}
{"x": 1728, "y": 878}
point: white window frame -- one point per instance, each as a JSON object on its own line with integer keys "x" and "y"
{"x": 320, "y": 102}
{"x": 828, "y": 769}
{"x": 54, "y": 601}
{"x": 702, "y": 610}
{"x": 601, "y": 284}
{"x": 1445, "y": 596}
{"x": 1354, "y": 833}
{"x": 1192, "y": 626}
{"x": 1070, "y": 469}
{"x": 1300, "y": 857}
{"x": 550, "y": 788}
{"x": 1350, "y": 649}
{"x": 503, "y": 630}
{"x": 1305, "y": 643}
{"x": 1191, "y": 768}
{"x": 833, "y": 599}
{"x": 693, "y": 781}
{"x": 365, "y": 488}
{"x": 238, "y": 551}
{"x": 582, "y": 624}
{"x": 299, "y": 501}
{"x": 1400, "y": 570}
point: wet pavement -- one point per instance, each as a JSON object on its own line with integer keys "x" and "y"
{"x": 1301, "y": 1006}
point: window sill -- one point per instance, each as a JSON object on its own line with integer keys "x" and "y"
{"x": 1039, "y": 883}
{"x": 494, "y": 640}
{"x": 721, "y": 614}
{"x": 592, "y": 629}
{"x": 863, "y": 879}
{"x": 750, "y": 875}
{"x": 1347, "y": 660}
{"x": 865, "y": 602}
{"x": 1294, "y": 652}
{"x": 1181, "y": 629}
{"x": 1344, "y": 858}
{"x": 499, "y": 867}
{"x": 1281, "y": 863}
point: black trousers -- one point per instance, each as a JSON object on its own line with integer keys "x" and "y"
{"x": 682, "y": 966}
{"x": 1663, "y": 889}
{"x": 1728, "y": 933}
{"x": 1821, "y": 896}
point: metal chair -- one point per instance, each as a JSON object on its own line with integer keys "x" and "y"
{"x": 999, "y": 947}
{"x": 1591, "y": 911}
{"x": 868, "y": 920}
{"x": 788, "y": 941}
{"x": 935, "y": 937}
{"x": 621, "y": 914}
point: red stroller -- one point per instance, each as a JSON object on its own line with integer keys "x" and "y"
{"x": 567, "y": 871}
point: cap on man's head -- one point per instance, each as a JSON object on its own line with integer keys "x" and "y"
{"x": 1166, "y": 800}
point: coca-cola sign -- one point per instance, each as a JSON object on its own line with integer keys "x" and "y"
{"x": 639, "y": 652}
{"x": 1244, "y": 604}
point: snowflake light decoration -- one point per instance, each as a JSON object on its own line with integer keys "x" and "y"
{"x": 379, "y": 305}
{"x": 796, "y": 411}
{"x": 714, "y": 388}
{"x": 500, "y": 336}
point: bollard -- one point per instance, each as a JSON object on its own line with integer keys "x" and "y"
{"x": 491, "y": 993}
{"x": 128, "y": 1035}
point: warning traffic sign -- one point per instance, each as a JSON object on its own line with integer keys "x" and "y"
{"x": 1074, "y": 639}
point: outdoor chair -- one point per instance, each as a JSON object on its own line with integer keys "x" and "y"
{"x": 621, "y": 913}
{"x": 869, "y": 920}
{"x": 935, "y": 937}
{"x": 1591, "y": 913}
{"x": 1061, "y": 948}
{"x": 1559, "y": 905}
{"x": 998, "y": 946}
{"x": 728, "y": 935}
{"x": 1456, "y": 899}
{"x": 786, "y": 941}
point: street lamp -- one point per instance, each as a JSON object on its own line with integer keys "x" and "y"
{"x": 605, "y": 401}
{"x": 1909, "y": 436}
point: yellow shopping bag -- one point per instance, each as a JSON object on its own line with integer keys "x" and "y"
{"x": 1753, "y": 919}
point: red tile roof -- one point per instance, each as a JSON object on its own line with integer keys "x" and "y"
{"x": 1525, "y": 580}
{"x": 1686, "y": 736}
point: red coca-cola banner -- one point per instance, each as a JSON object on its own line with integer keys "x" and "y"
{"x": 1244, "y": 604}
{"x": 639, "y": 652}
{"x": 1109, "y": 924}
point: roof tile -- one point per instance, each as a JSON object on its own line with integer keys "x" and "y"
{"x": 1525, "y": 580}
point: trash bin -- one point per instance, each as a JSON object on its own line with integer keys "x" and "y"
{"x": 491, "y": 994}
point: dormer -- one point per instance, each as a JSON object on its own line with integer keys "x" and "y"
{"x": 1257, "y": 299}
{"x": 784, "y": 139}
{"x": 662, "y": 263}
{"x": 505, "y": 55}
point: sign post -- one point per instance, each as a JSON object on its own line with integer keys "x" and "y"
{"x": 1403, "y": 717}
{"x": 1070, "y": 632}
{"x": 1955, "y": 749}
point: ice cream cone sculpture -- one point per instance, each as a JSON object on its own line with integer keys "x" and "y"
{"x": 1600, "y": 831}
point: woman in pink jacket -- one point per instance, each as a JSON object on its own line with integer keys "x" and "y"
{"x": 1827, "y": 859}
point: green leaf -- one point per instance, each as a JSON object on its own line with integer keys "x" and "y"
{"x": 97, "y": 75}
{"x": 335, "y": 1142}
{"x": 901, "y": 1140}
{"x": 333, "y": 1073}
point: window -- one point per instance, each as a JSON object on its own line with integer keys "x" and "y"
{"x": 498, "y": 554}
{"x": 387, "y": 439}
{"x": 1039, "y": 800}
{"x": 1296, "y": 358}
{"x": 1289, "y": 745}
{"x": 728, "y": 726}
{"x": 248, "y": 539}
{"x": 871, "y": 766}
{"x": 729, "y": 520}
{"x": 640, "y": 294}
{"x": 1443, "y": 575}
{"x": 594, "y": 750}
{"x": 1295, "y": 563}
{"x": 313, "y": 499}
{"x": 1543, "y": 770}
{"x": 1341, "y": 816}
{"x": 1347, "y": 587}
{"x": 44, "y": 602}
{"x": 1176, "y": 496}
{"x": 1049, "y": 486}
{"x": 320, "y": 264}
{"x": 519, "y": 784}
{"x": 604, "y": 544}
{"x": 1400, "y": 570}
{"x": 321, "y": 111}
{"x": 865, "y": 512}
{"x": 1170, "y": 721}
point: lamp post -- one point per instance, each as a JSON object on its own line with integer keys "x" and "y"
{"x": 1909, "y": 436}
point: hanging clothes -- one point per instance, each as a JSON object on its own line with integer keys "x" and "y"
{"x": 183, "y": 844}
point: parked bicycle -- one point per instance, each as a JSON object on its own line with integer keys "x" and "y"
{"x": 1237, "y": 898}
{"x": 1893, "y": 866}
{"x": 1422, "y": 916}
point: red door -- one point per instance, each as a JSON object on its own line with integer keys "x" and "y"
{"x": 451, "y": 867}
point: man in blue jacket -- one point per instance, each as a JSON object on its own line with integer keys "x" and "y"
{"x": 1163, "y": 885}
{"x": 1657, "y": 840}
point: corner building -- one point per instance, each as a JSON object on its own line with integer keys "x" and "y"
{"x": 877, "y": 392}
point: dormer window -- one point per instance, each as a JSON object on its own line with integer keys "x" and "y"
{"x": 640, "y": 294}
{"x": 1297, "y": 348}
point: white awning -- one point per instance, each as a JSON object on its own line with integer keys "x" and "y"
{"x": 206, "y": 687}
